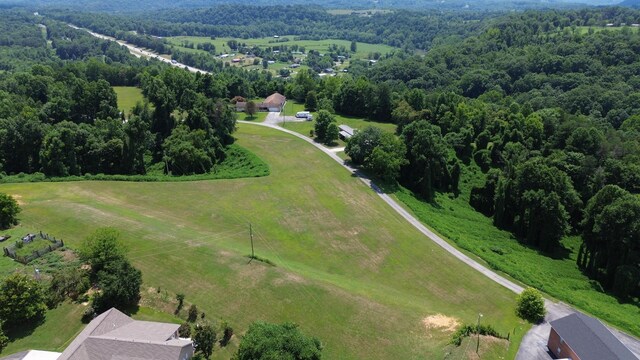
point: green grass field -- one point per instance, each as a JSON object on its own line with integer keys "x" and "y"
{"x": 128, "y": 96}
{"x": 348, "y": 268}
{"x": 456, "y": 220}
{"x": 362, "y": 52}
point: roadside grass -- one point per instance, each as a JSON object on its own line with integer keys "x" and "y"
{"x": 560, "y": 277}
{"x": 238, "y": 163}
{"x": 128, "y": 96}
{"x": 348, "y": 268}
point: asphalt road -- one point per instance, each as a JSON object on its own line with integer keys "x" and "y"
{"x": 533, "y": 345}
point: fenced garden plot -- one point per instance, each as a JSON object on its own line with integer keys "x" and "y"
{"x": 31, "y": 247}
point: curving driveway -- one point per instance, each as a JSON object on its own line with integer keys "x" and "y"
{"x": 534, "y": 343}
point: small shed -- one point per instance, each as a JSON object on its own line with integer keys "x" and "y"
{"x": 346, "y": 132}
{"x": 581, "y": 337}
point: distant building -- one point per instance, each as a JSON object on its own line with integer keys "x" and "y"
{"x": 580, "y": 337}
{"x": 273, "y": 103}
{"x": 345, "y": 132}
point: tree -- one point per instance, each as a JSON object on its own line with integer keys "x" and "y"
{"x": 9, "y": 210}
{"x": 354, "y": 46}
{"x": 22, "y": 301}
{"x": 321, "y": 127}
{"x": 67, "y": 282}
{"x": 189, "y": 152}
{"x": 265, "y": 341}
{"x": 387, "y": 157}
{"x": 251, "y": 108}
{"x": 180, "y": 298}
{"x": 102, "y": 247}
{"x": 332, "y": 134}
{"x": 361, "y": 144}
{"x": 311, "y": 102}
{"x": 119, "y": 284}
{"x": 530, "y": 306}
{"x": 204, "y": 339}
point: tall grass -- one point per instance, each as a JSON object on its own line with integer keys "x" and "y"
{"x": 555, "y": 274}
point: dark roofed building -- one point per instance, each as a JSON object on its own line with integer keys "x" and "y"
{"x": 580, "y": 337}
{"x": 114, "y": 335}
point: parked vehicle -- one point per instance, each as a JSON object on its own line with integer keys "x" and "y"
{"x": 304, "y": 115}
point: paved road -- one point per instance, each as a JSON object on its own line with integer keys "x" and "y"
{"x": 138, "y": 52}
{"x": 534, "y": 343}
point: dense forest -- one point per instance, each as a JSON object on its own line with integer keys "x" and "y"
{"x": 146, "y": 5}
{"x": 59, "y": 115}
{"x": 409, "y": 29}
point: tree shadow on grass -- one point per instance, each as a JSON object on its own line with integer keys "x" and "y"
{"x": 23, "y": 330}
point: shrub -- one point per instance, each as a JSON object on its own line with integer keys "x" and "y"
{"x": 467, "y": 330}
{"x": 530, "y": 306}
{"x": 193, "y": 313}
{"x": 88, "y": 314}
{"x": 184, "y": 330}
{"x": 227, "y": 333}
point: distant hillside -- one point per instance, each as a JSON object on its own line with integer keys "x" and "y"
{"x": 145, "y": 5}
{"x": 631, "y": 3}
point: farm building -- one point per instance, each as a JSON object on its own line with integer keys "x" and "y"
{"x": 580, "y": 337}
{"x": 346, "y": 132}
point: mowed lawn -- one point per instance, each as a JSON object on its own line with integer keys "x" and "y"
{"x": 348, "y": 269}
{"x": 128, "y": 96}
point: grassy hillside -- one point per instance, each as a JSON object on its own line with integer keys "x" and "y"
{"x": 348, "y": 269}
{"x": 558, "y": 276}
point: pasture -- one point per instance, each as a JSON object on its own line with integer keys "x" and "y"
{"x": 348, "y": 268}
{"x": 128, "y": 96}
{"x": 362, "y": 52}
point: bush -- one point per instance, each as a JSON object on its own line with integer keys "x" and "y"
{"x": 530, "y": 306}
{"x": 467, "y": 330}
{"x": 4, "y": 341}
{"x": 271, "y": 341}
{"x": 22, "y": 301}
{"x": 227, "y": 333}
{"x": 9, "y": 210}
{"x": 193, "y": 313}
{"x": 184, "y": 330}
{"x": 88, "y": 314}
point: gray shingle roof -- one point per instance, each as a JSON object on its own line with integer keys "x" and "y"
{"x": 590, "y": 339}
{"x": 114, "y": 335}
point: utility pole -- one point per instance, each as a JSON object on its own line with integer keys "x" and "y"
{"x": 251, "y": 235}
{"x": 478, "y": 332}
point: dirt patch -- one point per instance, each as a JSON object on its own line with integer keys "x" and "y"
{"x": 440, "y": 322}
{"x": 486, "y": 344}
{"x": 18, "y": 199}
{"x": 289, "y": 278}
